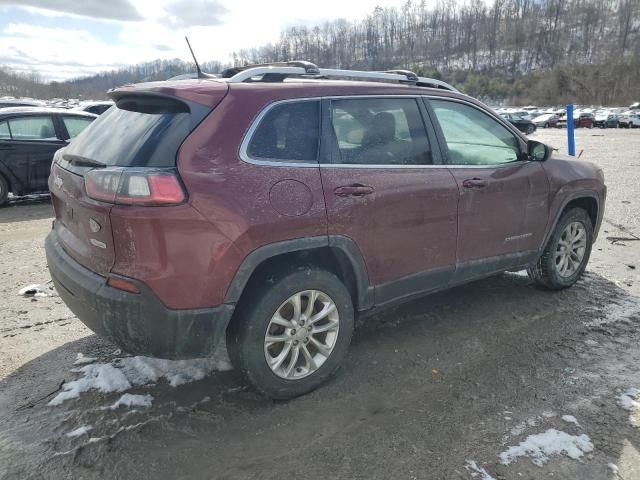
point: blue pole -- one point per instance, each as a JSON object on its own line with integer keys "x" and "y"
{"x": 570, "y": 132}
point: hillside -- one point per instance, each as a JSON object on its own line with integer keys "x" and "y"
{"x": 518, "y": 51}
{"x": 524, "y": 51}
{"x": 96, "y": 86}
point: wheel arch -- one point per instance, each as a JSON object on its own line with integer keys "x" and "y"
{"x": 587, "y": 200}
{"x": 336, "y": 253}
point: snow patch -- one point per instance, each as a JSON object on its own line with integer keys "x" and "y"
{"x": 613, "y": 468}
{"x": 628, "y": 400}
{"x": 571, "y": 419}
{"x": 477, "y": 471}
{"x": 36, "y": 290}
{"x": 103, "y": 377}
{"x": 621, "y": 311}
{"x": 121, "y": 374}
{"x": 79, "y": 431}
{"x": 541, "y": 446}
{"x": 130, "y": 400}
{"x": 81, "y": 359}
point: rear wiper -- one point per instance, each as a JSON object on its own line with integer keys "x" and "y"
{"x": 82, "y": 161}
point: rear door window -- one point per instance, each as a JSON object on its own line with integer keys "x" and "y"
{"x": 287, "y": 132}
{"x": 32, "y": 128}
{"x": 75, "y": 125}
{"x": 140, "y": 131}
{"x": 380, "y": 131}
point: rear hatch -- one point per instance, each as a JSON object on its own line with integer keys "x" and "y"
{"x": 127, "y": 156}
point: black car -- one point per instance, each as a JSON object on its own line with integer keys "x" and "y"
{"x": 98, "y": 108}
{"x": 522, "y": 124}
{"x": 29, "y": 136}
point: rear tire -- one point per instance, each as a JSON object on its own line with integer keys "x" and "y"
{"x": 277, "y": 324}
{"x": 4, "y": 191}
{"x": 566, "y": 255}
{"x": 530, "y": 129}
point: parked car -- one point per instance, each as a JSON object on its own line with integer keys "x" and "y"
{"x": 29, "y": 136}
{"x": 522, "y": 124}
{"x": 9, "y": 102}
{"x": 634, "y": 120}
{"x": 606, "y": 120}
{"x": 624, "y": 119}
{"x": 273, "y": 213}
{"x": 580, "y": 120}
{"x": 97, "y": 108}
{"x": 546, "y": 120}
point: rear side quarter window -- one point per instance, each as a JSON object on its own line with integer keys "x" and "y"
{"x": 75, "y": 125}
{"x": 287, "y": 132}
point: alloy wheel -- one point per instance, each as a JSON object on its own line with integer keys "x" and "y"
{"x": 571, "y": 249}
{"x": 301, "y": 334}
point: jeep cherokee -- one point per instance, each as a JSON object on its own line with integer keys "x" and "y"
{"x": 271, "y": 206}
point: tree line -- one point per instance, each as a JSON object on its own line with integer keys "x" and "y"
{"x": 95, "y": 87}
{"x": 515, "y": 51}
{"x": 544, "y": 51}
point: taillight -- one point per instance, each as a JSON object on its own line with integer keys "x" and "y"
{"x": 134, "y": 186}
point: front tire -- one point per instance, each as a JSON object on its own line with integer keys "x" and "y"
{"x": 530, "y": 129}
{"x": 566, "y": 255}
{"x": 290, "y": 338}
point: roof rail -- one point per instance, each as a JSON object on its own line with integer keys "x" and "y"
{"x": 308, "y": 67}
{"x": 276, "y": 72}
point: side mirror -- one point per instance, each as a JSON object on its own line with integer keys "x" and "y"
{"x": 538, "y": 151}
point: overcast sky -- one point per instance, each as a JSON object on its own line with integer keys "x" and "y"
{"x": 69, "y": 38}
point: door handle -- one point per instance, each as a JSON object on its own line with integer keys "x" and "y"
{"x": 6, "y": 147}
{"x": 474, "y": 183}
{"x": 355, "y": 190}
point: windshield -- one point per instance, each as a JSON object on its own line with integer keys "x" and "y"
{"x": 140, "y": 131}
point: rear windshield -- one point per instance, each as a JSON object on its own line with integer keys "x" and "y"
{"x": 140, "y": 131}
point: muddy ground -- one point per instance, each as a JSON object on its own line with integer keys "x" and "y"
{"x": 428, "y": 387}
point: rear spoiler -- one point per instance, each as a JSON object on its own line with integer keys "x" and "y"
{"x": 204, "y": 92}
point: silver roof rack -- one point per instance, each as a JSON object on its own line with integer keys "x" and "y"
{"x": 277, "y": 72}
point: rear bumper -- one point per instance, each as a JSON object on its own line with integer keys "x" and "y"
{"x": 137, "y": 323}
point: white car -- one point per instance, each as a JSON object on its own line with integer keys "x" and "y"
{"x": 625, "y": 119}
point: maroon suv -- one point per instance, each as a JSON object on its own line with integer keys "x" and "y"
{"x": 273, "y": 205}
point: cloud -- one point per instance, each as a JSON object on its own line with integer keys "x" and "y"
{"x": 101, "y": 9}
{"x": 25, "y": 48}
{"x": 195, "y": 13}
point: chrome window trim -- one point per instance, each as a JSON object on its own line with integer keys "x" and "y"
{"x": 497, "y": 165}
{"x": 379, "y": 166}
{"x": 244, "y": 155}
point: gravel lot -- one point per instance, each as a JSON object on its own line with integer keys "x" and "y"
{"x": 436, "y": 389}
